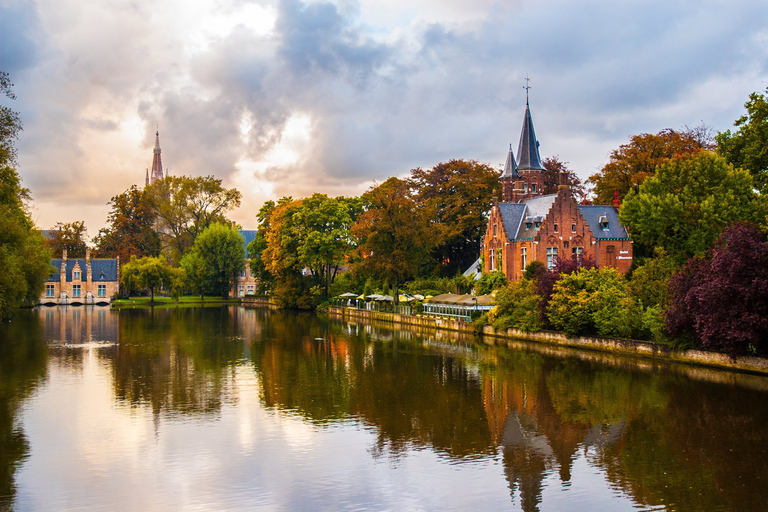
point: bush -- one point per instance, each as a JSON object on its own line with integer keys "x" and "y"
{"x": 489, "y": 282}
{"x": 517, "y": 305}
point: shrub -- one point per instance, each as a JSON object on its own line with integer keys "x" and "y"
{"x": 489, "y": 282}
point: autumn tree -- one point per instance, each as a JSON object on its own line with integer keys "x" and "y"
{"x": 131, "y": 227}
{"x": 185, "y": 206}
{"x": 687, "y": 203}
{"x": 394, "y": 238}
{"x": 748, "y": 146}
{"x": 632, "y": 163}
{"x": 455, "y": 197}
{"x": 69, "y": 236}
{"x": 558, "y": 173}
{"x": 722, "y": 300}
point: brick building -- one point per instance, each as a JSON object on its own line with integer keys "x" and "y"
{"x": 82, "y": 281}
{"x": 527, "y": 226}
{"x": 246, "y": 284}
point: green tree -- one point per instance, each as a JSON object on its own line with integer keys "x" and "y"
{"x": 649, "y": 281}
{"x": 223, "y": 257}
{"x": 186, "y": 206}
{"x": 147, "y": 272}
{"x": 194, "y": 273}
{"x": 131, "y": 227}
{"x": 259, "y": 244}
{"x": 690, "y": 200}
{"x": 394, "y": 238}
{"x": 69, "y": 236}
{"x": 594, "y": 301}
{"x": 631, "y": 164}
{"x": 748, "y": 147}
{"x": 455, "y": 197}
{"x": 24, "y": 258}
{"x": 517, "y": 305}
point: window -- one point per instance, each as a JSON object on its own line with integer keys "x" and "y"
{"x": 577, "y": 252}
{"x": 528, "y": 225}
{"x": 492, "y": 257}
{"x": 76, "y": 290}
{"x": 495, "y": 230}
{"x": 49, "y": 290}
{"x": 524, "y": 257}
{"x": 525, "y": 187}
{"x": 250, "y": 289}
{"x": 555, "y": 227}
{"x": 76, "y": 274}
{"x": 241, "y": 291}
{"x": 102, "y": 290}
{"x": 603, "y": 221}
{"x": 551, "y": 257}
{"x": 573, "y": 227}
{"x": 533, "y": 188}
{"x": 242, "y": 273}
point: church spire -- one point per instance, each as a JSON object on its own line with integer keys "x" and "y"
{"x": 157, "y": 163}
{"x": 528, "y": 149}
{"x": 510, "y": 167}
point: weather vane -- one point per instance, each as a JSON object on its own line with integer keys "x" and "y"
{"x": 526, "y": 87}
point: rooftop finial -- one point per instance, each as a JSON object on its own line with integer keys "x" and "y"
{"x": 527, "y": 86}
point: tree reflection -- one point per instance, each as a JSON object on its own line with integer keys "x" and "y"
{"x": 23, "y": 366}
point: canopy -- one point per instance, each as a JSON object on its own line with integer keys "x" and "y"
{"x": 348, "y": 294}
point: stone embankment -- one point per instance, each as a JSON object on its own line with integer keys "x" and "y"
{"x": 634, "y": 348}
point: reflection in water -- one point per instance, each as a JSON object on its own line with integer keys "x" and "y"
{"x": 528, "y": 420}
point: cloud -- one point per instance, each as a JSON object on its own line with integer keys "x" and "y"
{"x": 378, "y": 87}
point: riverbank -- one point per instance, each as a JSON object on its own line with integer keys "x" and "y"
{"x": 159, "y": 302}
{"x": 489, "y": 335}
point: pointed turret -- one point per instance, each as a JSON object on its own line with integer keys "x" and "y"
{"x": 510, "y": 167}
{"x": 528, "y": 150}
{"x": 157, "y": 163}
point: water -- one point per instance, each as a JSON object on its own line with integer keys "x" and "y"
{"x": 234, "y": 409}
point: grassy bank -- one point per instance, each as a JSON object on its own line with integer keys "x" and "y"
{"x": 145, "y": 302}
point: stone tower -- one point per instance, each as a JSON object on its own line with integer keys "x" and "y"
{"x": 523, "y": 178}
{"x": 156, "y": 174}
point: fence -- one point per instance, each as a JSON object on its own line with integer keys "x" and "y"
{"x": 448, "y": 310}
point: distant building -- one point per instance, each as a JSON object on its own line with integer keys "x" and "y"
{"x": 157, "y": 164}
{"x": 246, "y": 284}
{"x": 527, "y": 226}
{"x": 82, "y": 281}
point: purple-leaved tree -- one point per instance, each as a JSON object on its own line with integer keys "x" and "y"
{"x": 722, "y": 301}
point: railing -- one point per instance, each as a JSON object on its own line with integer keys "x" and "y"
{"x": 447, "y": 310}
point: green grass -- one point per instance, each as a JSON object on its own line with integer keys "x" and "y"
{"x": 144, "y": 302}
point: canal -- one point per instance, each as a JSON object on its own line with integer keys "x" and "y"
{"x": 241, "y": 409}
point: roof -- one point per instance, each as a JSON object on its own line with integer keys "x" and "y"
{"x": 101, "y": 270}
{"x": 531, "y": 211}
{"x": 528, "y": 149}
{"x": 248, "y": 235}
{"x": 511, "y": 215}
{"x": 592, "y": 215}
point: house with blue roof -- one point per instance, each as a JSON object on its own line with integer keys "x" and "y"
{"x": 246, "y": 283}
{"x": 528, "y": 226}
{"x": 80, "y": 281}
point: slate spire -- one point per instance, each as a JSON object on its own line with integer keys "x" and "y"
{"x": 528, "y": 149}
{"x": 510, "y": 167}
{"x": 157, "y": 164}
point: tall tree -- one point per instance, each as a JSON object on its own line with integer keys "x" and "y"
{"x": 558, "y": 173}
{"x": 687, "y": 204}
{"x": 148, "y": 272}
{"x": 723, "y": 301}
{"x": 632, "y": 163}
{"x": 185, "y": 206}
{"x": 394, "y": 237}
{"x": 455, "y": 197}
{"x": 131, "y": 227}
{"x": 24, "y": 258}
{"x": 748, "y": 147}
{"x": 223, "y": 257}
{"x": 69, "y": 236}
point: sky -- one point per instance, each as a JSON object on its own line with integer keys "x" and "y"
{"x": 290, "y": 97}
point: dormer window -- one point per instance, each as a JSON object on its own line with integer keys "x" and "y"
{"x": 525, "y": 187}
{"x": 603, "y": 222}
{"x": 101, "y": 276}
{"x": 528, "y": 225}
{"x": 533, "y": 188}
{"x": 537, "y": 224}
{"x": 76, "y": 274}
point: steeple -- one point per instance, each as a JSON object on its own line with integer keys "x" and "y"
{"x": 528, "y": 149}
{"x": 510, "y": 167}
{"x": 157, "y": 163}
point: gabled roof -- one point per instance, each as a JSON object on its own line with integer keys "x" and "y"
{"x": 511, "y": 215}
{"x": 593, "y": 214}
{"x": 510, "y": 167}
{"x": 248, "y": 235}
{"x": 101, "y": 270}
{"x": 528, "y": 149}
{"x": 516, "y": 215}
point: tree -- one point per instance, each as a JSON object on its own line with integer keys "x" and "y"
{"x": 456, "y": 197}
{"x": 259, "y": 244}
{"x": 186, "y": 206}
{"x": 558, "y": 173}
{"x": 650, "y": 280}
{"x": 223, "y": 257}
{"x": 748, "y": 147}
{"x": 24, "y": 258}
{"x": 194, "y": 273}
{"x": 147, "y": 272}
{"x": 632, "y": 163}
{"x": 69, "y": 236}
{"x": 690, "y": 200}
{"x": 131, "y": 229}
{"x": 546, "y": 279}
{"x": 722, "y": 301}
{"x": 394, "y": 238}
